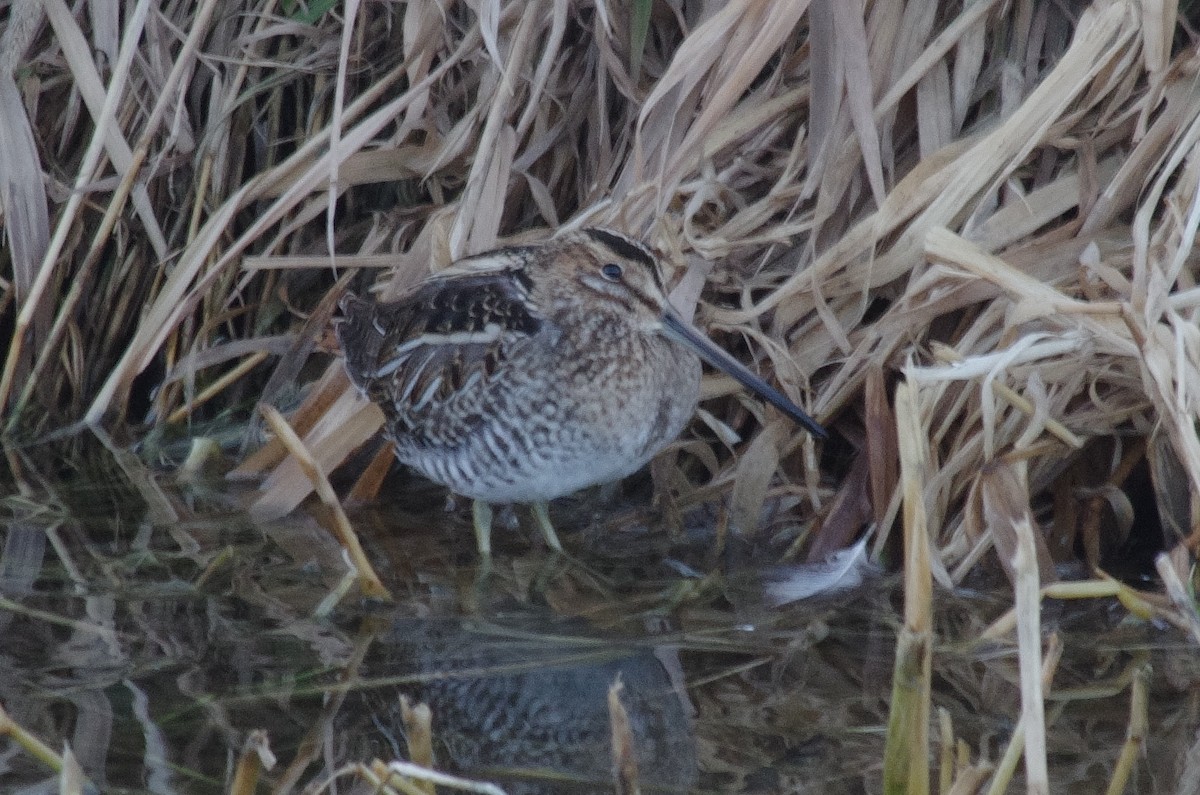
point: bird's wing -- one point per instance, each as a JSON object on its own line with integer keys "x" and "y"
{"x": 414, "y": 354}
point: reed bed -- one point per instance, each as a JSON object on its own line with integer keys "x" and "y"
{"x": 988, "y": 208}
{"x": 993, "y": 203}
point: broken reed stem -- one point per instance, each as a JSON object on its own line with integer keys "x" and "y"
{"x": 395, "y": 774}
{"x": 1029, "y": 652}
{"x": 970, "y": 780}
{"x": 945, "y": 750}
{"x": 1104, "y": 588}
{"x": 906, "y": 753}
{"x": 31, "y": 744}
{"x": 1008, "y": 762}
{"x": 387, "y": 783}
{"x": 418, "y": 733}
{"x": 71, "y": 779}
{"x": 369, "y": 580}
{"x": 323, "y": 394}
{"x": 256, "y": 757}
{"x": 218, "y": 386}
{"x": 1135, "y": 735}
{"x": 1016, "y": 400}
{"x": 370, "y": 482}
{"x": 624, "y": 751}
{"x": 218, "y": 562}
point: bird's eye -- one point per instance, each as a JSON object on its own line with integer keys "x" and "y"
{"x": 612, "y": 272}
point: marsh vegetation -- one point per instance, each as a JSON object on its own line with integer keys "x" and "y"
{"x": 959, "y": 234}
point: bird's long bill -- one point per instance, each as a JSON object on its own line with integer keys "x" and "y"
{"x": 685, "y": 333}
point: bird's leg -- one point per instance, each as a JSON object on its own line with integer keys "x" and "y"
{"x": 481, "y": 514}
{"x": 541, "y": 512}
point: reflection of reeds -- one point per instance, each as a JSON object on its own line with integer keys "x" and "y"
{"x": 803, "y": 689}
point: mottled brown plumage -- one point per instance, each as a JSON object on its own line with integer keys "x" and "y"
{"x": 530, "y": 372}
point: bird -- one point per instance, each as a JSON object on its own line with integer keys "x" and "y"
{"x": 527, "y": 373}
{"x": 523, "y": 697}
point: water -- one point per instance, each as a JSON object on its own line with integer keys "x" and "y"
{"x": 153, "y": 628}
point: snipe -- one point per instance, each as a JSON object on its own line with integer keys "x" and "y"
{"x": 530, "y": 372}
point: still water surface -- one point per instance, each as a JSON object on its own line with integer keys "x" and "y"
{"x": 153, "y": 628}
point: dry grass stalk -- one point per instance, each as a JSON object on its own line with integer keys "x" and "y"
{"x": 38, "y": 749}
{"x": 1007, "y": 766}
{"x": 1027, "y": 603}
{"x": 999, "y": 509}
{"x": 624, "y": 747}
{"x": 368, "y": 580}
{"x": 404, "y": 775}
{"x": 320, "y": 397}
{"x": 72, "y": 781}
{"x": 418, "y": 733}
{"x": 256, "y": 757}
{"x": 906, "y": 766}
{"x": 970, "y": 780}
{"x": 1138, "y": 732}
{"x": 946, "y": 757}
{"x": 1138, "y": 604}
{"x": 1020, "y": 744}
{"x": 349, "y": 422}
{"x": 217, "y": 387}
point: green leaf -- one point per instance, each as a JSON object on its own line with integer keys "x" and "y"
{"x": 639, "y": 27}
{"x": 307, "y": 13}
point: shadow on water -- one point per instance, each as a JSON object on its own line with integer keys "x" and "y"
{"x": 152, "y": 628}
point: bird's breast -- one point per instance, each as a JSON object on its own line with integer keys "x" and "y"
{"x": 563, "y": 410}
